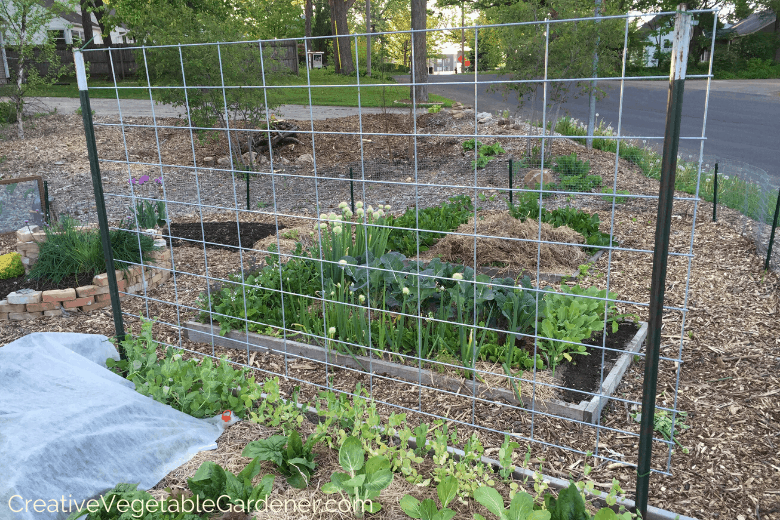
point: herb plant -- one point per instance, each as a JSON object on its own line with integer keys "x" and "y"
{"x": 364, "y": 479}
{"x": 295, "y": 461}
{"x": 69, "y": 251}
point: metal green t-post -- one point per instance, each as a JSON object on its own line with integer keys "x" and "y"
{"x": 100, "y": 203}
{"x": 682, "y": 37}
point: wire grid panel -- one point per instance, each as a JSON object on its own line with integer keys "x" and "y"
{"x": 423, "y": 257}
{"x": 747, "y": 199}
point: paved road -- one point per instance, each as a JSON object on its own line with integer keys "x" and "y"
{"x": 143, "y": 108}
{"x": 743, "y": 120}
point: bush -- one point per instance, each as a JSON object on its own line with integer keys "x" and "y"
{"x": 7, "y": 113}
{"x": 570, "y": 165}
{"x": 11, "y": 266}
{"x": 445, "y": 217}
{"x": 69, "y": 251}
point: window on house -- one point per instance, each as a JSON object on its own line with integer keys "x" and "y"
{"x": 58, "y": 36}
{"x": 76, "y": 37}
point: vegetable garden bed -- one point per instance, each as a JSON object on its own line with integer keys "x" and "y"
{"x": 587, "y": 410}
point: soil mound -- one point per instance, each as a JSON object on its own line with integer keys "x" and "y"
{"x": 513, "y": 255}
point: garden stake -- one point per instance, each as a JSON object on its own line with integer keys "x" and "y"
{"x": 46, "y": 200}
{"x": 682, "y": 30}
{"x": 715, "y": 198}
{"x": 772, "y": 234}
{"x": 352, "y": 190}
{"x": 510, "y": 181}
{"x": 100, "y": 202}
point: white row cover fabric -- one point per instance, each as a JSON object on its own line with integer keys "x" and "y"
{"x": 71, "y": 429}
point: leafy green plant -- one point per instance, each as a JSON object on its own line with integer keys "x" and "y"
{"x": 364, "y": 479}
{"x": 613, "y": 195}
{"x": 444, "y": 217}
{"x": 505, "y": 457}
{"x": 569, "y": 505}
{"x": 126, "y": 501}
{"x": 570, "y": 165}
{"x": 567, "y": 320}
{"x": 295, "y": 462}
{"x": 148, "y": 215}
{"x": 521, "y": 506}
{"x": 69, "y": 251}
{"x": 662, "y": 423}
{"x": 485, "y": 152}
{"x": 11, "y": 266}
{"x": 198, "y": 389}
{"x": 447, "y": 490}
{"x": 212, "y": 482}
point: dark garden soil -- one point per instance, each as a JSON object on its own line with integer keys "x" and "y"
{"x": 220, "y": 235}
{"x": 586, "y": 374}
{"x": 10, "y": 285}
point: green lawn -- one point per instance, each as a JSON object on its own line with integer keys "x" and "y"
{"x": 333, "y": 94}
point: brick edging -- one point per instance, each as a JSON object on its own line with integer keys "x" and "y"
{"x": 36, "y": 304}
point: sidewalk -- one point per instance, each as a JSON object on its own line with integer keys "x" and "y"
{"x": 143, "y": 108}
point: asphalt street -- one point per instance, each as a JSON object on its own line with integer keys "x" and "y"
{"x": 743, "y": 116}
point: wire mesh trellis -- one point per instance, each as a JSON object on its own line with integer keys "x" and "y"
{"x": 434, "y": 293}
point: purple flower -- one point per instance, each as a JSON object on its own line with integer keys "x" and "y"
{"x": 132, "y": 181}
{"x": 158, "y": 180}
{"x": 143, "y": 179}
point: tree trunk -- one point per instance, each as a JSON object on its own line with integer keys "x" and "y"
{"x": 342, "y": 48}
{"x": 308, "y": 15}
{"x": 86, "y": 20}
{"x": 420, "y": 54}
{"x": 368, "y": 38}
{"x": 777, "y": 35}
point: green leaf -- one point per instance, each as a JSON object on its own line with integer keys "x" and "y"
{"x": 373, "y": 507}
{"x": 445, "y": 514}
{"x": 538, "y": 515}
{"x": 208, "y": 482}
{"x": 605, "y": 514}
{"x": 428, "y": 509}
{"x": 489, "y": 497}
{"x": 521, "y": 506}
{"x": 411, "y": 506}
{"x": 568, "y": 506}
{"x": 250, "y": 471}
{"x": 263, "y": 490}
{"x": 447, "y": 489}
{"x": 294, "y": 445}
{"x": 377, "y": 463}
{"x": 378, "y": 481}
{"x": 351, "y": 456}
{"x": 477, "y": 516}
{"x": 329, "y": 488}
{"x": 271, "y": 449}
{"x": 355, "y": 482}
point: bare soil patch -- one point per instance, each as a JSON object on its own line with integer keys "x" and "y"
{"x": 219, "y": 235}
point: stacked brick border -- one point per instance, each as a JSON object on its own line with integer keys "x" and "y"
{"x": 36, "y": 304}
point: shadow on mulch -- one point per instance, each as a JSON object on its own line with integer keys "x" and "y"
{"x": 219, "y": 235}
{"x": 10, "y": 285}
{"x": 586, "y": 374}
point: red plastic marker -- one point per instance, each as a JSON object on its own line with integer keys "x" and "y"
{"x": 227, "y": 415}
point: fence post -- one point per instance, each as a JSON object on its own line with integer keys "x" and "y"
{"x": 715, "y": 197}
{"x": 352, "y": 190}
{"x": 682, "y": 30}
{"x": 247, "y": 186}
{"x": 772, "y": 234}
{"x": 46, "y": 201}
{"x": 510, "y": 181}
{"x": 100, "y": 202}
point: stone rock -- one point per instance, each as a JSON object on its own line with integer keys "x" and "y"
{"x": 457, "y": 106}
{"x": 284, "y": 161}
{"x": 534, "y": 177}
{"x": 208, "y": 162}
{"x": 23, "y": 297}
{"x": 484, "y": 117}
{"x": 58, "y": 295}
{"x": 223, "y": 161}
{"x": 251, "y": 157}
{"x": 458, "y": 115}
{"x": 468, "y": 112}
{"x": 305, "y": 159}
{"x": 517, "y": 127}
{"x": 160, "y": 243}
{"x": 503, "y": 122}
